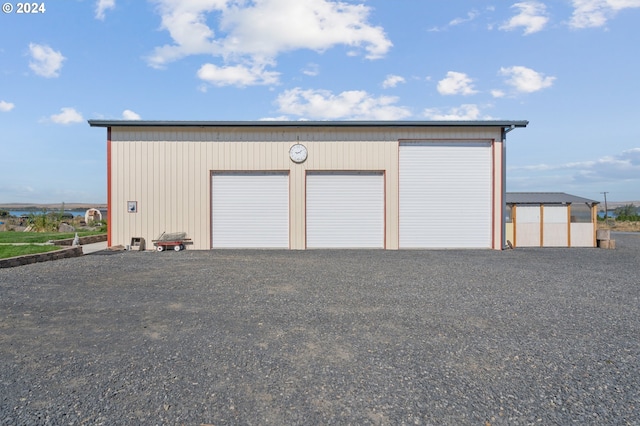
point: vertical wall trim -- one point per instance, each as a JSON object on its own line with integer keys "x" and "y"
{"x": 568, "y": 225}
{"x": 211, "y": 209}
{"x": 504, "y": 192}
{"x": 109, "y": 176}
{"x": 594, "y": 220}
{"x": 384, "y": 207}
{"x": 493, "y": 196}
{"x": 514, "y": 209}
{"x": 397, "y": 200}
{"x": 541, "y": 225}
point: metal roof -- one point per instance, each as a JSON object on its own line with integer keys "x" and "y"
{"x": 546, "y": 198}
{"x": 146, "y": 123}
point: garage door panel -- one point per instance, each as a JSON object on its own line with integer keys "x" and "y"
{"x": 250, "y": 210}
{"x": 345, "y": 210}
{"x": 445, "y": 195}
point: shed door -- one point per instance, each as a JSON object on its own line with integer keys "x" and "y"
{"x": 446, "y": 195}
{"x": 345, "y": 210}
{"x": 250, "y": 210}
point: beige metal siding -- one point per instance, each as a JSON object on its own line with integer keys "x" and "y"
{"x": 168, "y": 170}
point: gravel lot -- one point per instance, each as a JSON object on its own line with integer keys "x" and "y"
{"x": 525, "y": 336}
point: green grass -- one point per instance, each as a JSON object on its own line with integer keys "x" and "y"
{"x": 40, "y": 237}
{"x": 11, "y": 251}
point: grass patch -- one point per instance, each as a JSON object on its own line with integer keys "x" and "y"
{"x": 40, "y": 237}
{"x": 11, "y": 251}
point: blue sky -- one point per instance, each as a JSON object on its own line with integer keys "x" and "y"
{"x": 570, "y": 67}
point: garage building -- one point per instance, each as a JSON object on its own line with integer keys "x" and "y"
{"x": 304, "y": 185}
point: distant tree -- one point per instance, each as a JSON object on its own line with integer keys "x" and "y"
{"x": 4, "y": 213}
{"x": 627, "y": 212}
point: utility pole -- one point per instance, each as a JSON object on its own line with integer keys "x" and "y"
{"x": 606, "y": 209}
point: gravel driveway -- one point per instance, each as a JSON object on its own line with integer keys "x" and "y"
{"x": 524, "y": 336}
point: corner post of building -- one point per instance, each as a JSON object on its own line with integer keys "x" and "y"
{"x": 514, "y": 213}
{"x": 594, "y": 220}
{"x": 541, "y": 225}
{"x": 569, "y": 225}
{"x": 109, "y": 177}
{"x": 503, "y": 190}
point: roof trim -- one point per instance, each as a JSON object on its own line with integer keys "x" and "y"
{"x": 557, "y": 198}
{"x": 162, "y": 123}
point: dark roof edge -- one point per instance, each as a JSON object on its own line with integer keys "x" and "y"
{"x": 266, "y": 123}
{"x": 545, "y": 198}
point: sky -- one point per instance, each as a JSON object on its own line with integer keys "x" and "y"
{"x": 569, "y": 67}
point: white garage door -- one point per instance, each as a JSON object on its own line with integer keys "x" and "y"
{"x": 345, "y": 210}
{"x": 250, "y": 210}
{"x": 445, "y": 195}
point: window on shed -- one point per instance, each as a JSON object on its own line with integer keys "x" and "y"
{"x": 508, "y": 214}
{"x": 580, "y": 213}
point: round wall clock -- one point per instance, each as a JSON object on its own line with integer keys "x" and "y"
{"x": 298, "y": 153}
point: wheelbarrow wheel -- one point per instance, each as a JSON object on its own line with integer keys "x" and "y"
{"x": 160, "y": 248}
{"x": 177, "y": 248}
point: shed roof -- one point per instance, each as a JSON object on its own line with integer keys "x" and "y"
{"x": 145, "y": 123}
{"x": 546, "y": 198}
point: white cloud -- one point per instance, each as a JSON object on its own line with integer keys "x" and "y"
{"x": 392, "y": 81}
{"x": 6, "y": 106}
{"x": 596, "y": 13}
{"x": 456, "y": 83}
{"x": 349, "y": 105}
{"x": 127, "y": 114}
{"x": 312, "y": 70}
{"x": 257, "y": 32}
{"x": 102, "y": 6}
{"x": 67, "y": 116}
{"x": 463, "y": 112}
{"x": 615, "y": 173}
{"x": 471, "y": 16}
{"x": 526, "y": 80}
{"x": 45, "y": 62}
{"x": 238, "y": 75}
{"x": 625, "y": 165}
{"x": 533, "y": 17}
{"x": 498, "y": 93}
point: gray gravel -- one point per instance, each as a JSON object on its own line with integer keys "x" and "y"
{"x": 525, "y": 336}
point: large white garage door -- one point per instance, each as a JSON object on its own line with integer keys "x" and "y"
{"x": 345, "y": 210}
{"x": 445, "y": 195}
{"x": 250, "y": 210}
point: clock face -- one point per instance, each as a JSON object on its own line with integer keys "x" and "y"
{"x": 298, "y": 153}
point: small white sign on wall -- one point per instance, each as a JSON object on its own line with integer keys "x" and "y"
{"x": 132, "y": 206}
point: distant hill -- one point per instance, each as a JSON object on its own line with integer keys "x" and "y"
{"x": 615, "y": 204}
{"x": 52, "y": 206}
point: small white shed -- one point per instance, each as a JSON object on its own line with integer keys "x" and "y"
{"x": 550, "y": 219}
